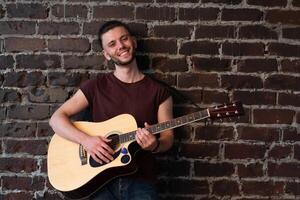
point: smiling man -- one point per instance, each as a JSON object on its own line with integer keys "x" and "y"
{"x": 125, "y": 90}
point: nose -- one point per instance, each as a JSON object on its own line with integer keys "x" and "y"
{"x": 120, "y": 44}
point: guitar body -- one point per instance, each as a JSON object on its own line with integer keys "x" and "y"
{"x": 77, "y": 176}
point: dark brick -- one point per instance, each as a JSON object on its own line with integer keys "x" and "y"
{"x": 23, "y": 183}
{"x": 176, "y": 1}
{"x": 289, "y": 99}
{"x": 178, "y": 186}
{"x": 24, "y": 44}
{"x": 293, "y": 188}
{"x": 32, "y": 11}
{"x": 49, "y": 195}
{"x": 215, "y": 32}
{"x": 157, "y": 46}
{"x": 250, "y": 170}
{"x": 197, "y": 80}
{"x": 286, "y": 50}
{"x": 283, "y": 16}
{"x": 240, "y": 81}
{"x": 282, "y": 82}
{"x": 32, "y": 147}
{"x": 84, "y": 62}
{"x": 105, "y": 12}
{"x": 291, "y": 33}
{"x": 241, "y": 15}
{"x": 20, "y": 129}
{"x": 230, "y": 2}
{"x": 66, "y": 79}
{"x": 297, "y": 152}
{"x": 211, "y": 64}
{"x": 174, "y": 168}
{"x": 41, "y": 61}
{"x": 257, "y": 65}
{"x": 156, "y": 13}
{"x": 212, "y": 96}
{"x": 18, "y": 196}
{"x": 92, "y": 28}
{"x": 268, "y": 3}
{"x": 296, "y": 3}
{"x": 280, "y": 152}
{"x": 25, "y": 112}
{"x": 290, "y": 134}
{"x": 255, "y": 97}
{"x": 49, "y": 95}
{"x": 258, "y": 134}
{"x": 290, "y": 169}
{"x": 165, "y": 64}
{"x": 17, "y": 27}
{"x": 183, "y": 96}
{"x": 18, "y": 165}
{"x": 200, "y": 47}
{"x": 69, "y": 44}
{"x": 2, "y": 112}
{"x": 196, "y": 14}
{"x": 6, "y": 62}
{"x": 9, "y": 95}
{"x": 257, "y": 32}
{"x": 273, "y": 116}
{"x": 263, "y": 188}
{"x": 225, "y": 187}
{"x": 200, "y": 150}
{"x": 24, "y": 79}
{"x": 2, "y": 13}
{"x": 213, "y": 169}
{"x": 243, "y": 49}
{"x": 44, "y": 129}
{"x": 290, "y": 66}
{"x": 244, "y": 151}
{"x": 58, "y": 28}
{"x": 212, "y": 132}
{"x": 70, "y": 11}
{"x": 176, "y": 31}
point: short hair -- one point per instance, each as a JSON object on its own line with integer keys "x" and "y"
{"x": 108, "y": 26}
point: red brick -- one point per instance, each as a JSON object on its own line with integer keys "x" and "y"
{"x": 257, "y": 32}
{"x": 225, "y": 187}
{"x": 213, "y": 96}
{"x": 9, "y": 95}
{"x": 24, "y": 44}
{"x": 103, "y": 12}
{"x": 199, "y": 150}
{"x": 280, "y": 152}
{"x": 41, "y": 61}
{"x": 30, "y": 147}
{"x": 213, "y": 132}
{"x": 17, "y": 27}
{"x": 69, "y": 44}
{"x": 156, "y": 13}
{"x": 250, "y": 170}
{"x": 24, "y": 79}
{"x": 291, "y": 33}
{"x": 66, "y": 79}
{"x": 18, "y": 165}
{"x": 196, "y": 14}
{"x": 213, "y": 169}
{"x": 6, "y": 62}
{"x": 283, "y": 16}
{"x": 241, "y": 81}
{"x": 268, "y": 3}
{"x": 34, "y": 112}
{"x": 157, "y": 46}
{"x": 18, "y": 196}
{"x": 58, "y": 28}
{"x": 178, "y": 186}
{"x": 198, "y": 80}
{"x": 216, "y": 32}
{"x": 84, "y": 62}
{"x": 18, "y": 130}
{"x": 289, "y": 99}
{"x": 244, "y": 151}
{"x": 286, "y": 50}
{"x": 32, "y": 11}
{"x": 290, "y": 134}
{"x": 230, "y": 2}
{"x": 243, "y": 49}
{"x": 175, "y": 31}
{"x": 257, "y": 65}
{"x": 241, "y": 14}
{"x": 263, "y": 188}
{"x": 263, "y": 134}
{"x": 211, "y": 64}
{"x": 70, "y": 11}
{"x": 273, "y": 116}
{"x": 199, "y": 47}
{"x": 255, "y": 97}
{"x": 165, "y": 64}
{"x": 290, "y": 169}
{"x": 23, "y": 183}
{"x": 282, "y": 82}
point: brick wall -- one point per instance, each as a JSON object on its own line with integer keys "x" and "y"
{"x": 213, "y": 51}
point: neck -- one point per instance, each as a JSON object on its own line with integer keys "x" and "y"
{"x": 129, "y": 73}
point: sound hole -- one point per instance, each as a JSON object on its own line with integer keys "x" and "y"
{"x": 114, "y": 143}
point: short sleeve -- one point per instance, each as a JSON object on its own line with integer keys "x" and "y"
{"x": 88, "y": 88}
{"x": 163, "y": 94}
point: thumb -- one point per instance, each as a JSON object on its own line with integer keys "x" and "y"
{"x": 146, "y": 125}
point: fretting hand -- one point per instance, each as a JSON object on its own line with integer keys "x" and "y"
{"x": 145, "y": 139}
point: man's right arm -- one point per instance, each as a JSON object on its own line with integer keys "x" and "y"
{"x": 60, "y": 122}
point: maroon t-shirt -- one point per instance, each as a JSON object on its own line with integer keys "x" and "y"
{"x": 109, "y": 97}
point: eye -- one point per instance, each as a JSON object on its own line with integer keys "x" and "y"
{"x": 111, "y": 44}
{"x": 124, "y": 38}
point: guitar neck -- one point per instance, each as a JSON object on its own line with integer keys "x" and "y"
{"x": 174, "y": 123}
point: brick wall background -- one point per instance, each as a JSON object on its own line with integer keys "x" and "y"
{"x": 213, "y": 51}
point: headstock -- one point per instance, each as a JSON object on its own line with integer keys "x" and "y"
{"x": 226, "y": 110}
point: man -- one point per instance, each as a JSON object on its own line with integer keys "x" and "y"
{"x": 126, "y": 90}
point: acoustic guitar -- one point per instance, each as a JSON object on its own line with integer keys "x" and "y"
{"x": 77, "y": 175}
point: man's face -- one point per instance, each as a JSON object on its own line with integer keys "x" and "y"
{"x": 118, "y": 46}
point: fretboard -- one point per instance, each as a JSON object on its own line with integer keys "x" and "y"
{"x": 174, "y": 123}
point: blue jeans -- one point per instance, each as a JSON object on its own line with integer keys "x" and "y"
{"x": 124, "y": 188}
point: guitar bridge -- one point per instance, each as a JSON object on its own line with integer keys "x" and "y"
{"x": 82, "y": 155}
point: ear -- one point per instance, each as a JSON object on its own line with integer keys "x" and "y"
{"x": 134, "y": 42}
{"x": 106, "y": 55}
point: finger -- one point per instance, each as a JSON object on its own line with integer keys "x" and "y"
{"x": 108, "y": 148}
{"x": 105, "y": 154}
{"x": 146, "y": 125}
{"x": 96, "y": 158}
{"x": 101, "y": 157}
